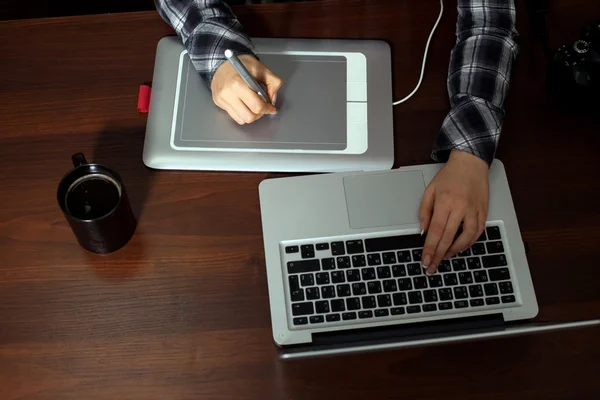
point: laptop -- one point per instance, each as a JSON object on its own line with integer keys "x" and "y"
{"x": 334, "y": 111}
{"x": 343, "y": 256}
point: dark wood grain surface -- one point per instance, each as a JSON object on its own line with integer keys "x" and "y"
{"x": 182, "y": 311}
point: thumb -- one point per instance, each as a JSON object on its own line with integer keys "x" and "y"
{"x": 273, "y": 83}
{"x": 426, "y": 208}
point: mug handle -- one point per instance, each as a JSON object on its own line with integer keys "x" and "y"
{"x": 78, "y": 159}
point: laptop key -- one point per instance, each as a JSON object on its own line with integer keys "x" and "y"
{"x": 384, "y": 300}
{"x": 322, "y": 307}
{"x": 338, "y": 276}
{"x": 384, "y": 272}
{"x": 348, "y": 316}
{"x": 450, "y": 279}
{"x": 327, "y": 292}
{"x": 328, "y": 264}
{"x": 420, "y": 282}
{"x": 435, "y": 281}
{"x": 359, "y": 261}
{"x": 404, "y": 284}
{"x": 458, "y": 264}
{"x": 494, "y": 247}
{"x": 338, "y": 305}
{"x": 483, "y": 237}
{"x": 307, "y": 250}
{"x": 343, "y": 262}
{"x": 294, "y": 282}
{"x": 317, "y": 319}
{"x": 476, "y": 302}
{"x": 445, "y": 306}
{"x": 389, "y": 285}
{"x": 298, "y": 267}
{"x": 480, "y": 276}
{"x": 353, "y": 304}
{"x": 398, "y": 311}
{"x": 493, "y": 232}
{"x": 365, "y": 314}
{"x": 303, "y": 308}
{"x": 475, "y": 291}
{"x": 492, "y": 301}
{"x": 499, "y": 274}
{"x": 382, "y": 313}
{"x": 300, "y": 321}
{"x": 473, "y": 263}
{"x": 413, "y": 309}
{"x": 460, "y": 292}
{"x": 353, "y": 275}
{"x": 374, "y": 287}
{"x": 508, "y": 299}
{"x": 343, "y": 290}
{"x": 373, "y": 259}
{"x": 322, "y": 278}
{"x": 478, "y": 249}
{"x": 465, "y": 278}
{"x": 445, "y": 294}
{"x": 415, "y": 297}
{"x": 297, "y": 295}
{"x": 307, "y": 280}
{"x": 398, "y": 271}
{"x": 389, "y": 257}
{"x": 444, "y": 266}
{"x": 368, "y": 302}
{"x": 494, "y": 261}
{"x": 313, "y": 293}
{"x": 291, "y": 249}
{"x": 355, "y": 246}
{"x": 399, "y": 299}
{"x": 416, "y": 254}
{"x": 490, "y": 289}
{"x": 505, "y": 287}
{"x": 404, "y": 256}
{"x": 461, "y": 304}
{"x": 337, "y": 248}
{"x": 359, "y": 289}
{"x": 322, "y": 246}
{"x": 414, "y": 269}
{"x": 333, "y": 317}
{"x": 368, "y": 274}
{"x": 465, "y": 253}
{"x": 429, "y": 307}
{"x": 430, "y": 296}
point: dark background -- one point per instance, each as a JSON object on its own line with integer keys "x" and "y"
{"x": 56, "y": 8}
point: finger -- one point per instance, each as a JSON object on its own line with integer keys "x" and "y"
{"x": 426, "y": 208}
{"x": 274, "y": 83}
{"x": 454, "y": 220}
{"x": 435, "y": 232}
{"x": 468, "y": 236}
{"x": 254, "y": 103}
{"x": 240, "y": 108}
{"x": 234, "y": 115}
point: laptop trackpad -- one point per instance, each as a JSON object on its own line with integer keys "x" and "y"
{"x": 384, "y": 199}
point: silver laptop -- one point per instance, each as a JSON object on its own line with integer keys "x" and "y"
{"x": 343, "y": 258}
{"x": 334, "y": 111}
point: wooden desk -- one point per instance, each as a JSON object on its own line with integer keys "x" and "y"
{"x": 182, "y": 311}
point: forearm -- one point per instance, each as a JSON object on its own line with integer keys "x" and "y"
{"x": 206, "y": 28}
{"x": 478, "y": 78}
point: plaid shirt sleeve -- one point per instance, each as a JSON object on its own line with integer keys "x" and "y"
{"x": 478, "y": 78}
{"x": 207, "y": 28}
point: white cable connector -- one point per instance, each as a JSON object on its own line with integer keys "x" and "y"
{"x": 424, "y": 56}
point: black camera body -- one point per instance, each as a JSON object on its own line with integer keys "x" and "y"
{"x": 575, "y": 71}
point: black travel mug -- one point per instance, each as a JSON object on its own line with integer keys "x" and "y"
{"x": 93, "y": 199}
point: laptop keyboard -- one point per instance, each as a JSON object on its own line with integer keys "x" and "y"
{"x": 341, "y": 282}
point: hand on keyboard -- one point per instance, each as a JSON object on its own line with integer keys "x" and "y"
{"x": 459, "y": 193}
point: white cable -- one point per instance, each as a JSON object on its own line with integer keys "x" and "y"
{"x": 424, "y": 56}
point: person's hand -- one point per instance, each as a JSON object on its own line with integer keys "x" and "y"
{"x": 232, "y": 94}
{"x": 459, "y": 193}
